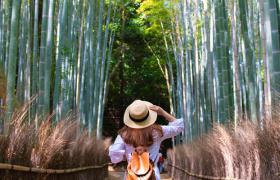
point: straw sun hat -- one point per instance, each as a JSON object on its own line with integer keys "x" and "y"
{"x": 138, "y": 115}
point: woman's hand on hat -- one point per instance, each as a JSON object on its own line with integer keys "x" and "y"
{"x": 162, "y": 112}
{"x": 157, "y": 109}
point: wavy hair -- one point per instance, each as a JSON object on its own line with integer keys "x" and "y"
{"x": 140, "y": 137}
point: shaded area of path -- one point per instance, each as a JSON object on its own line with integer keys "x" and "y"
{"x": 118, "y": 174}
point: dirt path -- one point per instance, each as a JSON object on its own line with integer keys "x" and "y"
{"x": 118, "y": 175}
{"x": 114, "y": 175}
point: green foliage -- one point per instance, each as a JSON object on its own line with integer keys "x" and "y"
{"x": 151, "y": 14}
{"x": 139, "y": 76}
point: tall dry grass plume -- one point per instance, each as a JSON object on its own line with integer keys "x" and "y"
{"x": 60, "y": 146}
{"x": 244, "y": 152}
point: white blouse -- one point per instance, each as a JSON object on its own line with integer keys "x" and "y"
{"x": 120, "y": 151}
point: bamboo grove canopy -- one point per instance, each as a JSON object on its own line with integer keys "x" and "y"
{"x": 227, "y": 60}
{"x": 220, "y": 59}
{"x": 59, "y": 50}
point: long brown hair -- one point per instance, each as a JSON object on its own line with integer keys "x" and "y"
{"x": 140, "y": 137}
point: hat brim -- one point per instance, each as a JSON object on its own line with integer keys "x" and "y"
{"x": 139, "y": 125}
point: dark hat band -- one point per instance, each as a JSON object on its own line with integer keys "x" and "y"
{"x": 139, "y": 120}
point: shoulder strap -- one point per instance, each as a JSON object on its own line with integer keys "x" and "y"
{"x": 140, "y": 163}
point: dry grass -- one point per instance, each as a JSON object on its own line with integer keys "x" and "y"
{"x": 60, "y": 146}
{"x": 3, "y": 140}
{"x": 246, "y": 152}
{"x": 269, "y": 147}
{"x": 3, "y": 143}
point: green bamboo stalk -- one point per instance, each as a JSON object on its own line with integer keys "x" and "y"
{"x": 209, "y": 26}
{"x": 169, "y": 73}
{"x": 67, "y": 63}
{"x": 219, "y": 58}
{"x": 1, "y": 54}
{"x": 84, "y": 106}
{"x": 22, "y": 53}
{"x": 267, "y": 96}
{"x": 12, "y": 59}
{"x": 106, "y": 82}
{"x": 260, "y": 92}
{"x": 102, "y": 73}
{"x": 91, "y": 69}
{"x": 243, "y": 82}
{"x": 237, "y": 97}
{"x": 27, "y": 55}
{"x": 223, "y": 69}
{"x": 79, "y": 59}
{"x": 273, "y": 51}
{"x": 35, "y": 61}
{"x": 230, "y": 74}
{"x": 184, "y": 72}
{"x": 228, "y": 82}
{"x": 27, "y": 93}
{"x": 178, "y": 50}
{"x": 250, "y": 61}
{"x": 23, "y": 83}
{"x": 40, "y": 108}
{"x": 48, "y": 58}
{"x": 98, "y": 64}
{"x": 8, "y": 7}
{"x": 204, "y": 71}
{"x": 1, "y": 33}
{"x": 60, "y": 57}
{"x": 191, "y": 76}
{"x": 75, "y": 27}
{"x": 196, "y": 70}
{"x": 174, "y": 50}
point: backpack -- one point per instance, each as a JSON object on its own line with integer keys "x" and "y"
{"x": 140, "y": 167}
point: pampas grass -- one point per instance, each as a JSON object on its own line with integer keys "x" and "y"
{"x": 269, "y": 147}
{"x": 60, "y": 146}
{"x": 3, "y": 140}
{"x": 244, "y": 152}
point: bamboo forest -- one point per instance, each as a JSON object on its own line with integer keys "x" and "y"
{"x": 70, "y": 70}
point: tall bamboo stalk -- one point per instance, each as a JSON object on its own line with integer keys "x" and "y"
{"x": 27, "y": 93}
{"x": 267, "y": 102}
{"x": 2, "y": 33}
{"x": 79, "y": 61}
{"x": 169, "y": 74}
{"x": 250, "y": 65}
{"x": 60, "y": 57}
{"x": 21, "y": 53}
{"x": 35, "y": 61}
{"x": 48, "y": 58}
{"x": 8, "y": 7}
{"x": 12, "y": 58}
{"x": 209, "y": 25}
{"x": 102, "y": 74}
{"x": 273, "y": 42}
{"x": 238, "y": 110}
{"x": 40, "y": 108}
{"x": 221, "y": 58}
{"x": 98, "y": 65}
